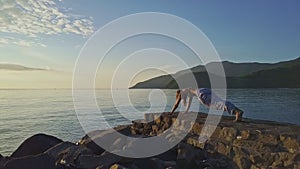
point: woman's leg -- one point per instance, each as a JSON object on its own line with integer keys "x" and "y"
{"x": 220, "y": 104}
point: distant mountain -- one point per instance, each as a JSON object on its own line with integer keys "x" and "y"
{"x": 240, "y": 69}
{"x": 238, "y": 75}
{"x": 15, "y": 67}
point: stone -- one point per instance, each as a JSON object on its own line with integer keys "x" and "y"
{"x": 277, "y": 163}
{"x": 118, "y": 166}
{"x": 254, "y": 167}
{"x": 245, "y": 134}
{"x": 41, "y": 161}
{"x": 147, "y": 163}
{"x": 133, "y": 166}
{"x": 197, "y": 128}
{"x": 3, "y": 160}
{"x": 170, "y": 155}
{"x": 242, "y": 163}
{"x": 240, "y": 152}
{"x": 214, "y": 163}
{"x": 157, "y": 119}
{"x": 96, "y": 161}
{"x": 223, "y": 162}
{"x": 291, "y": 144}
{"x": 229, "y": 133}
{"x": 188, "y": 155}
{"x": 103, "y": 137}
{"x": 69, "y": 156}
{"x": 223, "y": 148}
{"x": 256, "y": 158}
{"x": 165, "y": 126}
{"x": 297, "y": 157}
{"x": 57, "y": 149}
{"x": 154, "y": 128}
{"x": 269, "y": 139}
{"x": 167, "y": 119}
{"x": 34, "y": 145}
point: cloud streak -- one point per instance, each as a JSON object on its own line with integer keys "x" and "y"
{"x": 40, "y": 17}
{"x": 19, "y": 42}
{"x": 14, "y": 67}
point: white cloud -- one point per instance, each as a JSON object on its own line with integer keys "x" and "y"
{"x": 35, "y": 17}
{"x": 4, "y": 41}
{"x": 19, "y": 42}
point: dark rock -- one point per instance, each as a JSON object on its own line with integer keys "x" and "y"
{"x": 215, "y": 163}
{"x": 269, "y": 139}
{"x": 3, "y": 160}
{"x": 242, "y": 162}
{"x": 229, "y": 133}
{"x": 256, "y": 158}
{"x": 297, "y": 157}
{"x": 167, "y": 120}
{"x": 149, "y": 163}
{"x": 197, "y": 128}
{"x": 36, "y": 144}
{"x": 223, "y": 148}
{"x": 291, "y": 144}
{"x": 170, "y": 155}
{"x": 287, "y": 158}
{"x": 141, "y": 127}
{"x": 57, "y": 149}
{"x": 104, "y": 137}
{"x": 154, "y": 129}
{"x": 241, "y": 152}
{"x": 277, "y": 164}
{"x": 157, "y": 119}
{"x": 245, "y": 134}
{"x": 188, "y": 155}
{"x": 41, "y": 161}
{"x": 96, "y": 161}
{"x": 133, "y": 166}
{"x": 69, "y": 155}
{"x": 118, "y": 166}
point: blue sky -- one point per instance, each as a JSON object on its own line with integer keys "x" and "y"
{"x": 50, "y": 33}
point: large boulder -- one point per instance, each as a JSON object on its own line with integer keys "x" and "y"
{"x": 189, "y": 156}
{"x": 117, "y": 166}
{"x": 95, "y": 161}
{"x": 104, "y": 137}
{"x": 67, "y": 153}
{"x": 35, "y": 145}
{"x": 2, "y": 161}
{"x": 148, "y": 163}
{"x": 41, "y": 161}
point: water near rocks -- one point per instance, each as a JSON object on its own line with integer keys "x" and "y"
{"x": 24, "y": 113}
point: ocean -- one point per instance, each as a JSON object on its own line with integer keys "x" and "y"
{"x": 24, "y": 112}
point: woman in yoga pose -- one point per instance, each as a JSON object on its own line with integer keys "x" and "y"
{"x": 205, "y": 95}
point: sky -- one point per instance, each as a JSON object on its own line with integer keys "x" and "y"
{"x": 50, "y": 34}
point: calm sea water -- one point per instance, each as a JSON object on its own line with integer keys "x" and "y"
{"x": 24, "y": 113}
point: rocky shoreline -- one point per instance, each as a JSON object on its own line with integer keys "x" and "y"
{"x": 250, "y": 144}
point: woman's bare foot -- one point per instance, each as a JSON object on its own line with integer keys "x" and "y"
{"x": 238, "y": 115}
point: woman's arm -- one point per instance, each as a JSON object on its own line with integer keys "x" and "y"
{"x": 176, "y": 104}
